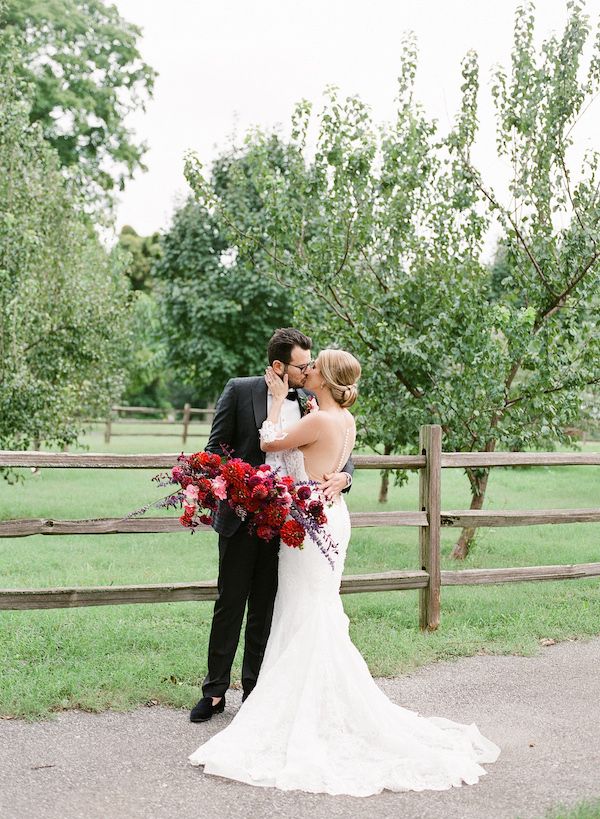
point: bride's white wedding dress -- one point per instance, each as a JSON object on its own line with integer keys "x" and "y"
{"x": 316, "y": 720}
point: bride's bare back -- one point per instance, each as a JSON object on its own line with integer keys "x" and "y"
{"x": 332, "y": 448}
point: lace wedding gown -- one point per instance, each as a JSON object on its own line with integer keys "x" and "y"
{"x": 316, "y": 720}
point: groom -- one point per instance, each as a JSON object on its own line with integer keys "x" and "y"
{"x": 247, "y": 564}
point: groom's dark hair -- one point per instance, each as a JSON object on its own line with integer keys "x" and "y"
{"x": 283, "y": 341}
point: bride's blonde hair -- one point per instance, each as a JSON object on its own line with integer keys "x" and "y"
{"x": 340, "y": 371}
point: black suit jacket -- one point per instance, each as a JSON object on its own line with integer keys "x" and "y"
{"x": 239, "y": 415}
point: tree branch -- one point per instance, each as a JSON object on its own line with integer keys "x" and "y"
{"x": 560, "y": 299}
{"x": 223, "y": 213}
{"x": 380, "y": 281}
{"x": 492, "y": 200}
{"x": 66, "y": 328}
{"x": 417, "y": 393}
{"x": 575, "y": 121}
{"x": 550, "y": 390}
{"x": 561, "y": 157}
{"x": 347, "y": 247}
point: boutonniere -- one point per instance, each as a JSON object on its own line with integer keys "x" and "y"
{"x": 308, "y": 403}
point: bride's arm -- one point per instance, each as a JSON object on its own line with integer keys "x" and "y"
{"x": 272, "y": 439}
{"x": 306, "y": 431}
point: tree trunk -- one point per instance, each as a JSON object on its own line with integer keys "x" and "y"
{"x": 385, "y": 478}
{"x": 479, "y": 481}
{"x": 461, "y": 549}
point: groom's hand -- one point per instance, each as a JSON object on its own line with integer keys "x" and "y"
{"x": 333, "y": 484}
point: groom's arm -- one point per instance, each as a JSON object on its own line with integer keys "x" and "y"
{"x": 338, "y": 482}
{"x": 223, "y": 425}
{"x": 348, "y": 469}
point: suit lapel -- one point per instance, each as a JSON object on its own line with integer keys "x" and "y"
{"x": 301, "y": 398}
{"x": 259, "y": 402}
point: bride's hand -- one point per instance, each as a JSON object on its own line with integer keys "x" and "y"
{"x": 277, "y": 387}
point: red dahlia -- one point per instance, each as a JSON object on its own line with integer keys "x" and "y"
{"x": 292, "y": 534}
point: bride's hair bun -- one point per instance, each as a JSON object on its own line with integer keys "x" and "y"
{"x": 340, "y": 371}
{"x": 349, "y": 395}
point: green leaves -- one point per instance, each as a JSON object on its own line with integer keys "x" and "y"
{"x": 63, "y": 301}
{"x": 216, "y": 312}
{"x": 86, "y": 74}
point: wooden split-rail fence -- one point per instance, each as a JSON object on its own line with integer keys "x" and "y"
{"x": 116, "y": 414}
{"x": 429, "y": 518}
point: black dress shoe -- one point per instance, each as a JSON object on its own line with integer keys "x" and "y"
{"x": 204, "y": 709}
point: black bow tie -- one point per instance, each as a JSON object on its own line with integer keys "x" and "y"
{"x": 292, "y": 395}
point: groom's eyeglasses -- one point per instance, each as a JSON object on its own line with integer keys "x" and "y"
{"x": 302, "y": 367}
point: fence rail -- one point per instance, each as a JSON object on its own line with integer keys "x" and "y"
{"x": 75, "y": 460}
{"x": 26, "y": 599}
{"x": 430, "y": 519}
{"x": 187, "y": 412}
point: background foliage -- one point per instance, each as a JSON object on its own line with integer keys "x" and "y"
{"x": 64, "y": 301}
{"x": 81, "y": 59}
{"x": 219, "y": 310}
{"x": 385, "y": 227}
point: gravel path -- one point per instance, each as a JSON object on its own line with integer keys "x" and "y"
{"x": 543, "y": 711}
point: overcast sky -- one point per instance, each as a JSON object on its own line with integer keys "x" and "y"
{"x": 226, "y": 65}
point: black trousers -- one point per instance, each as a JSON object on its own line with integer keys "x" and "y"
{"x": 247, "y": 574}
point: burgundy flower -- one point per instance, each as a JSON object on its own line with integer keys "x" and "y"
{"x": 186, "y": 521}
{"x": 265, "y": 532}
{"x": 315, "y": 508}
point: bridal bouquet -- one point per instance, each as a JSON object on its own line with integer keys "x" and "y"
{"x": 271, "y": 504}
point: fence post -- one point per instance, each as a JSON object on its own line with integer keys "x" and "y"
{"x": 186, "y": 420}
{"x": 108, "y": 427}
{"x": 209, "y": 405}
{"x": 35, "y": 470}
{"x": 430, "y": 479}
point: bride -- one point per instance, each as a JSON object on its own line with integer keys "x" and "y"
{"x": 316, "y": 720}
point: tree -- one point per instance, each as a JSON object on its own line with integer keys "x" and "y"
{"x": 551, "y": 231}
{"x": 64, "y": 302}
{"x": 147, "y": 383}
{"x": 143, "y": 252}
{"x": 386, "y": 229}
{"x": 82, "y": 61}
{"x": 217, "y": 316}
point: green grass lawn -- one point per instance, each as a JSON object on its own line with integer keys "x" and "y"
{"x": 121, "y": 656}
{"x": 584, "y": 810}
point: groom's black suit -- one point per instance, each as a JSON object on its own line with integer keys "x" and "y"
{"x": 247, "y": 565}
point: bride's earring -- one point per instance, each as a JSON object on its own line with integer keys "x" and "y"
{"x": 323, "y": 385}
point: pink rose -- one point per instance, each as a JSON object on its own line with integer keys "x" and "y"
{"x": 191, "y": 492}
{"x": 219, "y": 488}
{"x": 285, "y": 497}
